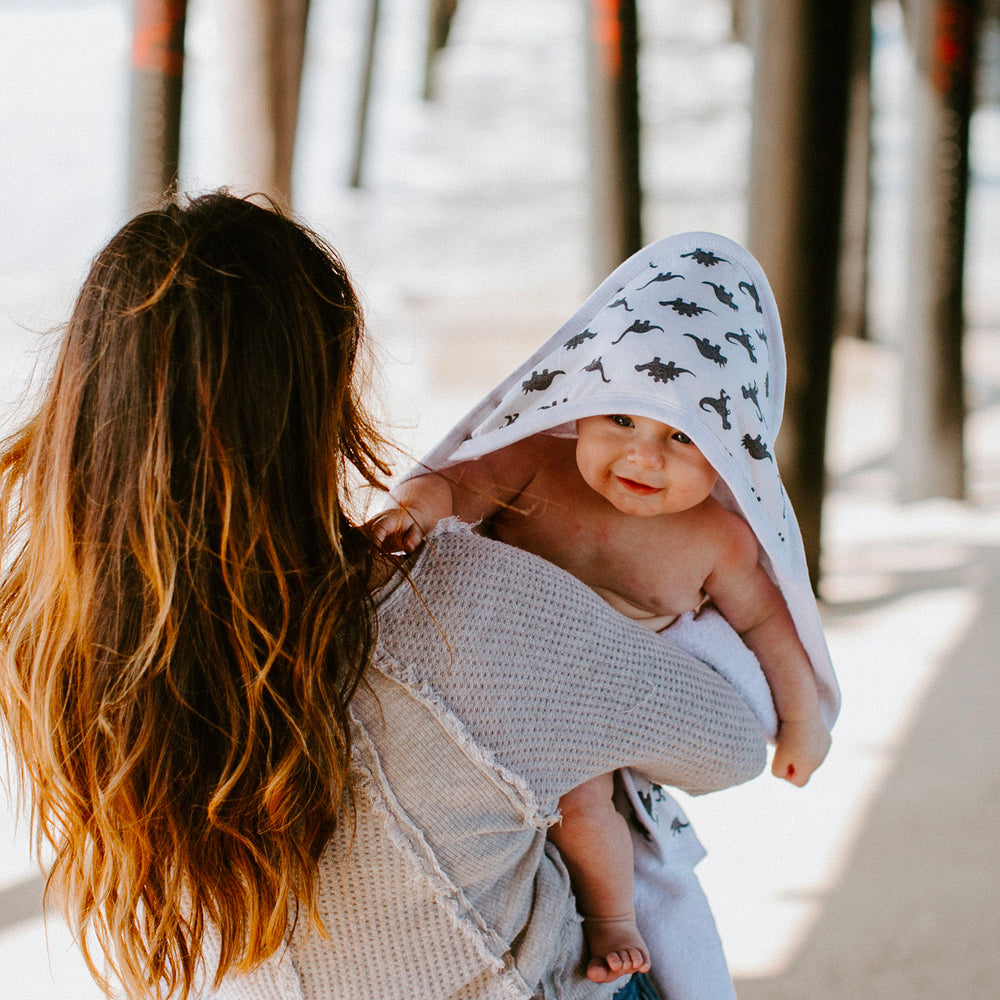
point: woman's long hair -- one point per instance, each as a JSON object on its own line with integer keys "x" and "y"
{"x": 185, "y": 602}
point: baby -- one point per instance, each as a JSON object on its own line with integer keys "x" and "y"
{"x": 630, "y": 504}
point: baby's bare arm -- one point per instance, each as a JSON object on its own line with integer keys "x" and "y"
{"x": 473, "y": 491}
{"x": 749, "y": 600}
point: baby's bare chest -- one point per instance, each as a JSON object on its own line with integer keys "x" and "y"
{"x": 659, "y": 565}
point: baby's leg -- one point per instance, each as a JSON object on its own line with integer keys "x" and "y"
{"x": 594, "y": 841}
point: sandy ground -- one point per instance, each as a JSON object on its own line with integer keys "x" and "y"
{"x": 470, "y": 243}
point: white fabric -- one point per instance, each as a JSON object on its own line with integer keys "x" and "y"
{"x": 671, "y": 909}
{"x": 707, "y": 635}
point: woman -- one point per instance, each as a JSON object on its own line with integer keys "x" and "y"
{"x": 271, "y": 761}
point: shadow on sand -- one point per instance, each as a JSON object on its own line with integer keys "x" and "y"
{"x": 916, "y": 912}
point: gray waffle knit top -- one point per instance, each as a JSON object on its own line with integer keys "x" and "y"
{"x": 500, "y": 682}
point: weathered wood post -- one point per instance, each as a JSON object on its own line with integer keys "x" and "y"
{"x": 800, "y": 100}
{"x": 613, "y": 105}
{"x": 364, "y": 93}
{"x": 263, "y": 50}
{"x": 931, "y": 451}
{"x": 157, "y": 77}
{"x": 440, "y": 14}
{"x": 853, "y": 295}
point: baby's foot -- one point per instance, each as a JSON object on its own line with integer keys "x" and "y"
{"x": 616, "y": 948}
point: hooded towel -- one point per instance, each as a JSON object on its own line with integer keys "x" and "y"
{"x": 685, "y": 331}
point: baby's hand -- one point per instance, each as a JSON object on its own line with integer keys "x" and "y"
{"x": 397, "y": 530}
{"x": 802, "y": 746}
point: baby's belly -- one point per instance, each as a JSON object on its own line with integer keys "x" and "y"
{"x": 653, "y": 620}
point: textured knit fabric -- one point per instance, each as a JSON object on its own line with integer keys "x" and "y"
{"x": 500, "y": 683}
{"x": 686, "y": 331}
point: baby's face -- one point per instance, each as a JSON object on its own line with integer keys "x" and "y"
{"x": 641, "y": 466}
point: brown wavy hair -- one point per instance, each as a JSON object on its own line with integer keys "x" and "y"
{"x": 185, "y": 598}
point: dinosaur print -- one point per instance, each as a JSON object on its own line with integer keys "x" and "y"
{"x": 756, "y": 448}
{"x": 639, "y": 326}
{"x": 575, "y": 341}
{"x": 762, "y": 337}
{"x": 750, "y": 392}
{"x": 751, "y": 290}
{"x": 720, "y": 405}
{"x": 597, "y": 366}
{"x": 709, "y": 350}
{"x": 509, "y": 418}
{"x": 655, "y": 794}
{"x": 743, "y": 339}
{"x": 660, "y": 372}
{"x": 686, "y": 308}
{"x": 723, "y": 295}
{"x": 676, "y": 826}
{"x": 705, "y": 257}
{"x": 539, "y": 380}
{"x": 623, "y": 303}
{"x": 662, "y": 276}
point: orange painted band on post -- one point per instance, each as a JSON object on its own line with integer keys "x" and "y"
{"x": 953, "y": 44}
{"x": 606, "y": 32}
{"x": 158, "y": 37}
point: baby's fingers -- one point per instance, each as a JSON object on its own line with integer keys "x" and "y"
{"x": 785, "y": 767}
{"x": 395, "y": 531}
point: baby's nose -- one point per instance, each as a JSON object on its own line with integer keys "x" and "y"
{"x": 647, "y": 456}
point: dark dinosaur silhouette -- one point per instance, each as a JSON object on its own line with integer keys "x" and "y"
{"x": 597, "y": 366}
{"x": 639, "y": 326}
{"x": 510, "y": 418}
{"x": 539, "y": 380}
{"x": 686, "y": 308}
{"x": 756, "y": 448}
{"x": 750, "y": 392}
{"x": 575, "y": 341}
{"x": 743, "y": 339}
{"x": 655, "y": 794}
{"x": 709, "y": 350}
{"x": 662, "y": 276}
{"x": 723, "y": 295}
{"x": 705, "y": 257}
{"x": 676, "y": 825}
{"x": 720, "y": 405}
{"x": 660, "y": 372}
{"x": 751, "y": 290}
{"x": 623, "y": 303}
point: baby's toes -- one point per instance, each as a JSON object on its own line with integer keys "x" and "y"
{"x": 634, "y": 960}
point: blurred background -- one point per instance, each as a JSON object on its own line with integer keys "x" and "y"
{"x": 478, "y": 182}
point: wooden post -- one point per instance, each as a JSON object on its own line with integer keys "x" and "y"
{"x": 853, "y": 290}
{"x": 800, "y": 100}
{"x": 613, "y": 100}
{"x": 364, "y": 94}
{"x": 931, "y": 448}
{"x": 264, "y": 46}
{"x": 440, "y": 14}
{"x": 155, "y": 114}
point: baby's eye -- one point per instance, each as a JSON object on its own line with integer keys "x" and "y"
{"x": 621, "y": 420}
{"x": 681, "y": 438}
